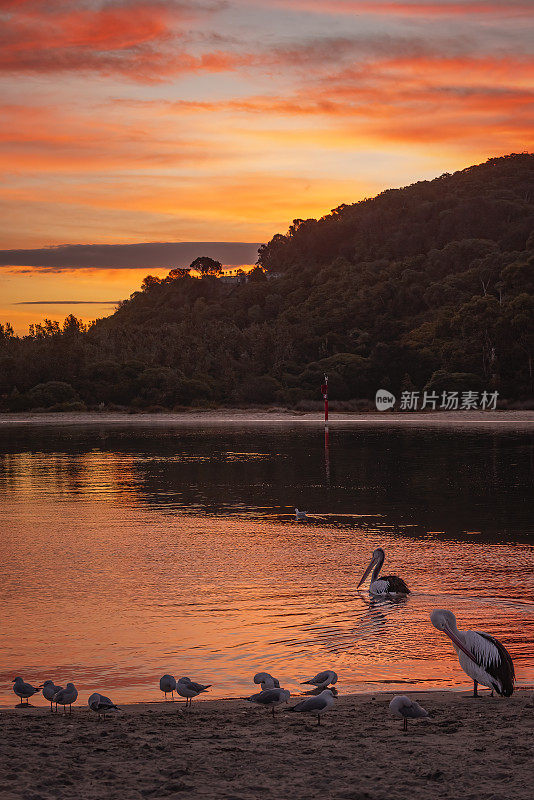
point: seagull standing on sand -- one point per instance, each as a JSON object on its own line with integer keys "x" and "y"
{"x": 198, "y": 687}
{"x": 402, "y": 706}
{"x": 49, "y": 692}
{"x": 266, "y": 680}
{"x": 269, "y": 698}
{"x": 300, "y": 515}
{"x": 316, "y": 705}
{"x": 188, "y": 691}
{"x": 484, "y": 658}
{"x": 322, "y": 679}
{"x": 387, "y": 584}
{"x": 167, "y": 683}
{"x": 100, "y": 704}
{"x": 66, "y": 697}
{"x": 24, "y": 690}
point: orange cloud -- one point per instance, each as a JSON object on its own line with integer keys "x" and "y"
{"x": 141, "y": 40}
{"x": 408, "y": 9}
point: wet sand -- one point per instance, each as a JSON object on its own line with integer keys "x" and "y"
{"x": 474, "y": 749}
{"x": 497, "y": 420}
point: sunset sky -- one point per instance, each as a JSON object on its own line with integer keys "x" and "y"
{"x": 222, "y": 120}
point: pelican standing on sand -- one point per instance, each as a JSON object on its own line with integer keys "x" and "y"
{"x": 316, "y": 705}
{"x": 24, "y": 690}
{"x": 270, "y": 698}
{"x": 387, "y": 584}
{"x": 322, "y": 679}
{"x": 167, "y": 683}
{"x": 49, "y": 692}
{"x": 402, "y": 706}
{"x": 481, "y": 656}
{"x": 66, "y": 697}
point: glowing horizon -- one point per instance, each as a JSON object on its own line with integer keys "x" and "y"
{"x": 154, "y": 120}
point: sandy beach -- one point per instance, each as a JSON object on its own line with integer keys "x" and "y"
{"x": 470, "y": 748}
{"x": 508, "y": 420}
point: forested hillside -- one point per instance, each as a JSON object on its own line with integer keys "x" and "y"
{"x": 430, "y": 286}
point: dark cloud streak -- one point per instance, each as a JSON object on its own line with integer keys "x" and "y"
{"x": 150, "y": 255}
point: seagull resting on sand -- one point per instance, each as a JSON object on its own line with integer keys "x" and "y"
{"x": 49, "y": 692}
{"x": 198, "y": 687}
{"x": 402, "y": 706}
{"x": 167, "y": 683}
{"x": 322, "y": 679}
{"x": 66, "y": 697}
{"x": 316, "y": 705}
{"x": 270, "y": 698}
{"x": 266, "y": 680}
{"x": 100, "y": 704}
{"x": 24, "y": 690}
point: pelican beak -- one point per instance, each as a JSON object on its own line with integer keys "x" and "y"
{"x": 459, "y": 644}
{"x": 367, "y": 571}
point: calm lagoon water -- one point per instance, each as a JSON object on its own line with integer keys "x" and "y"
{"x": 127, "y": 552}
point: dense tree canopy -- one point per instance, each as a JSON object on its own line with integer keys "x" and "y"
{"x": 430, "y": 286}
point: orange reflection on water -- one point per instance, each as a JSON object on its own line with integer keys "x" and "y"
{"x": 103, "y": 589}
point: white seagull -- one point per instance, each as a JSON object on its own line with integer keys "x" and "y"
{"x": 316, "y": 705}
{"x": 322, "y": 679}
{"x": 49, "y": 691}
{"x": 66, "y": 697}
{"x": 198, "y": 687}
{"x": 300, "y": 515}
{"x": 269, "y": 698}
{"x": 167, "y": 683}
{"x": 100, "y": 704}
{"x": 24, "y": 690}
{"x": 386, "y": 584}
{"x": 484, "y": 658}
{"x": 266, "y": 680}
{"x": 188, "y": 691}
{"x": 402, "y": 706}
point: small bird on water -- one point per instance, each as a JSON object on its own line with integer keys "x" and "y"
{"x": 300, "y": 516}
{"x": 402, "y": 706}
{"x": 24, "y": 690}
{"x": 483, "y": 657}
{"x": 316, "y": 705}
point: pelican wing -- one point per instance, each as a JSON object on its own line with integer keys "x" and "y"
{"x": 493, "y": 656}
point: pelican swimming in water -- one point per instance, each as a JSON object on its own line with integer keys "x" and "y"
{"x": 386, "y": 584}
{"x": 402, "y": 706}
{"x": 481, "y": 656}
